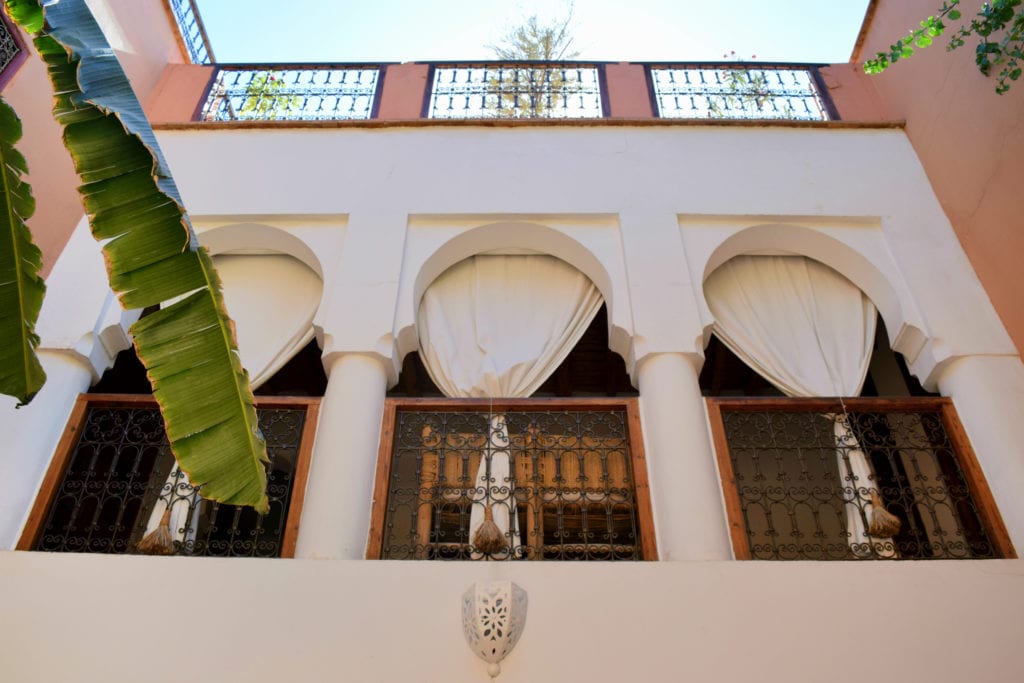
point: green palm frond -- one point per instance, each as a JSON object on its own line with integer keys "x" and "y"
{"x": 21, "y": 288}
{"x": 152, "y": 256}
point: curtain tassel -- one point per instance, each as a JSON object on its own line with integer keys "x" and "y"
{"x": 158, "y": 541}
{"x": 884, "y": 524}
{"x": 488, "y": 538}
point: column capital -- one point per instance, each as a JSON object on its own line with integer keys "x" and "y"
{"x": 694, "y": 358}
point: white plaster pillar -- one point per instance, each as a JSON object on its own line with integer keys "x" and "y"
{"x": 336, "y": 511}
{"x": 685, "y": 488}
{"x": 29, "y": 436}
{"x": 988, "y": 392}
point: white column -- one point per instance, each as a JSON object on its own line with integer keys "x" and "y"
{"x": 685, "y": 488}
{"x": 336, "y": 511}
{"x": 988, "y": 392}
{"x": 30, "y": 435}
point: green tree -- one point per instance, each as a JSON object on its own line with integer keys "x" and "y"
{"x": 528, "y": 91}
{"x": 267, "y": 97}
{"x": 151, "y": 253}
{"x": 999, "y": 27}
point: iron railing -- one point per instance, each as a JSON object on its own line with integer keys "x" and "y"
{"x": 557, "y": 481}
{"x": 516, "y": 90}
{"x": 108, "y": 489}
{"x": 192, "y": 31}
{"x": 822, "y": 479}
{"x": 291, "y": 93}
{"x": 746, "y": 91}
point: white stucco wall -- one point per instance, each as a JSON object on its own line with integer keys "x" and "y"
{"x": 113, "y": 619}
{"x": 400, "y": 187}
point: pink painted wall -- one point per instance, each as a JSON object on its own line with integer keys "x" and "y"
{"x": 145, "y": 42}
{"x": 970, "y": 141}
{"x": 51, "y": 173}
{"x": 178, "y": 93}
{"x": 628, "y": 93}
{"x": 403, "y": 92}
{"x": 853, "y": 93}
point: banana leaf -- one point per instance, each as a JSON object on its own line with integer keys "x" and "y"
{"x": 153, "y": 257}
{"x": 21, "y": 288}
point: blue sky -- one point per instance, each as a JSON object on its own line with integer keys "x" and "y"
{"x": 613, "y": 30}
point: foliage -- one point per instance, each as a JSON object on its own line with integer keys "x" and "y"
{"x": 533, "y": 40}
{"x": 21, "y": 287}
{"x": 266, "y": 97}
{"x": 533, "y": 91}
{"x": 999, "y": 26}
{"x": 748, "y": 92}
{"x": 152, "y": 257}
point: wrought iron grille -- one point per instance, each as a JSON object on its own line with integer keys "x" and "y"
{"x": 516, "y": 91}
{"x": 557, "y": 485}
{"x": 193, "y": 34}
{"x": 792, "y": 472}
{"x": 9, "y": 48}
{"x": 738, "y": 92}
{"x": 284, "y": 93}
{"x": 121, "y": 475}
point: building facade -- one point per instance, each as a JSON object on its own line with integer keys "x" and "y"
{"x": 334, "y": 234}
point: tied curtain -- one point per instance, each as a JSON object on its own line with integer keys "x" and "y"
{"x": 272, "y": 299}
{"x": 498, "y": 327}
{"x": 809, "y": 331}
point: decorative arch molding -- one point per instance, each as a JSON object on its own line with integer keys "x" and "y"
{"x": 259, "y": 238}
{"x": 875, "y": 273}
{"x": 518, "y": 237}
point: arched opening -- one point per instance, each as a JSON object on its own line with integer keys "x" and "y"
{"x": 273, "y": 298}
{"x": 822, "y": 468}
{"x": 520, "y": 237}
{"x": 499, "y": 334}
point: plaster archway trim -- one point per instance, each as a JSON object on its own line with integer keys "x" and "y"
{"x": 257, "y": 238}
{"x": 875, "y": 274}
{"x": 530, "y": 237}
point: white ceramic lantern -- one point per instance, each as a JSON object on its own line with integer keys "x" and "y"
{"x": 493, "y": 617}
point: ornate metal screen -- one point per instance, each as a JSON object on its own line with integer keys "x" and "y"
{"x": 568, "y": 486}
{"x": 285, "y": 93}
{"x": 121, "y": 466}
{"x": 723, "y": 91}
{"x": 9, "y": 47}
{"x": 514, "y": 91}
{"x": 791, "y": 482}
{"x": 192, "y": 31}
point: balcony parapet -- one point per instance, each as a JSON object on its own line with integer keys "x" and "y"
{"x": 508, "y": 92}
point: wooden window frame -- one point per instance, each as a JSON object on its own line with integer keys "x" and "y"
{"x": 645, "y": 519}
{"x": 989, "y": 515}
{"x": 73, "y": 432}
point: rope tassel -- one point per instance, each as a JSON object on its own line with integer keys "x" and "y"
{"x": 884, "y": 524}
{"x": 488, "y": 538}
{"x": 158, "y": 541}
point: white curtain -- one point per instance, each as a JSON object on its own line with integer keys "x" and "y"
{"x": 271, "y": 299}
{"x": 497, "y": 327}
{"x": 809, "y": 331}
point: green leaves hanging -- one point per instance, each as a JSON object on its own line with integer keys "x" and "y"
{"x": 21, "y": 288}
{"x": 1003, "y": 19}
{"x": 152, "y": 255}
